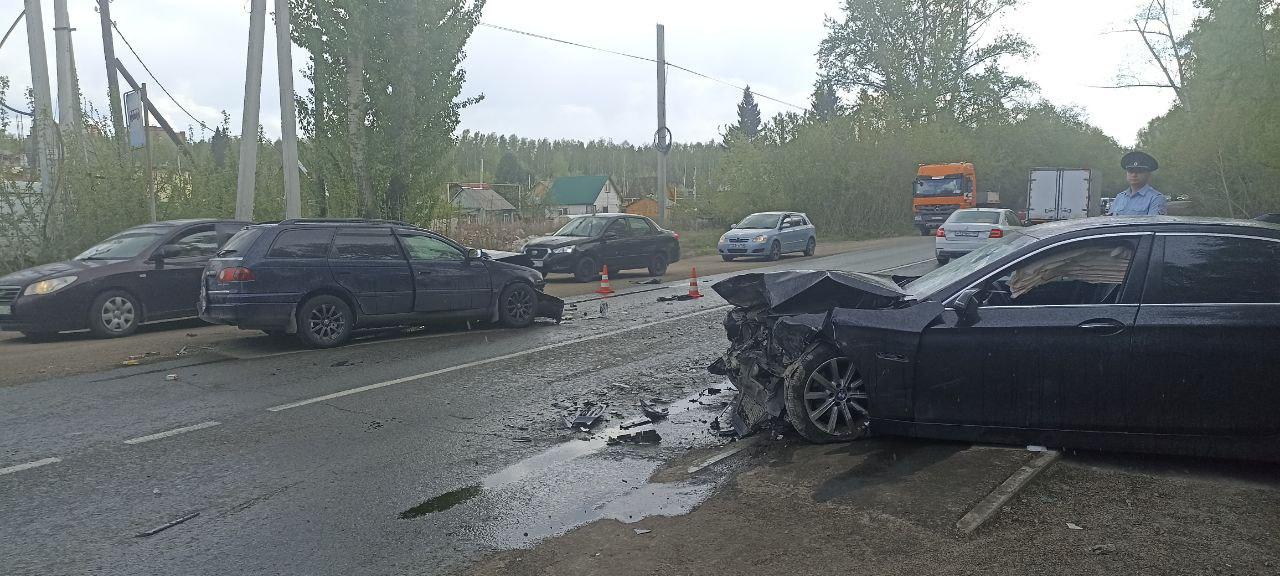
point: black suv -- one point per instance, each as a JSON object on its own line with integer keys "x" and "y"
{"x": 321, "y": 279}
{"x": 621, "y": 241}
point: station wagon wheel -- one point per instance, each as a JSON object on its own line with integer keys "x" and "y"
{"x": 517, "y": 305}
{"x": 811, "y": 247}
{"x": 775, "y": 251}
{"x": 324, "y": 321}
{"x": 114, "y": 313}
{"x": 827, "y": 398}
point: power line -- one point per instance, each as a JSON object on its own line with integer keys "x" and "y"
{"x": 158, "y": 83}
{"x": 646, "y": 59}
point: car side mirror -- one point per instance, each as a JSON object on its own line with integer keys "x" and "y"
{"x": 475, "y": 254}
{"x": 610, "y": 236}
{"x": 733, "y": 226}
{"x": 163, "y": 253}
{"x": 965, "y": 304}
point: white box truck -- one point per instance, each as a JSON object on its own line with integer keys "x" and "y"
{"x": 1061, "y": 194}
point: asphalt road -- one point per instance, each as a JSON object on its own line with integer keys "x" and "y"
{"x": 411, "y": 454}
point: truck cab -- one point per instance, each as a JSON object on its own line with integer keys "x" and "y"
{"x": 941, "y": 189}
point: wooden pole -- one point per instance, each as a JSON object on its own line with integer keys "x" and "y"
{"x": 146, "y": 140}
{"x": 113, "y": 82}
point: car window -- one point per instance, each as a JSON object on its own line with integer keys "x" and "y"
{"x": 1217, "y": 269}
{"x": 122, "y": 246}
{"x": 760, "y": 221}
{"x": 302, "y": 243}
{"x": 1088, "y": 272}
{"x": 639, "y": 227}
{"x": 801, "y": 221}
{"x": 1012, "y": 218}
{"x": 618, "y": 227}
{"x": 974, "y": 217}
{"x": 195, "y": 243}
{"x": 240, "y": 243}
{"x": 428, "y": 248}
{"x": 366, "y": 246}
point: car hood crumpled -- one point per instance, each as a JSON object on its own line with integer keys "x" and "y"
{"x": 809, "y": 291}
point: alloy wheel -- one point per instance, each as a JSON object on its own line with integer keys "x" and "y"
{"x": 519, "y": 305}
{"x": 326, "y": 322}
{"x": 835, "y": 397}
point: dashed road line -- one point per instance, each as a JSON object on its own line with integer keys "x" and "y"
{"x": 28, "y": 465}
{"x": 174, "y": 432}
{"x": 467, "y": 365}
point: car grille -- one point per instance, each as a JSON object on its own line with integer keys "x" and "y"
{"x": 738, "y": 239}
{"x": 536, "y": 253}
{"x": 737, "y": 250}
{"x": 8, "y": 294}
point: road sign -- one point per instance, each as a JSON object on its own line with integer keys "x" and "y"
{"x": 133, "y": 115}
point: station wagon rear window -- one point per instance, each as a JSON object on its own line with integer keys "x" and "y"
{"x": 304, "y": 243}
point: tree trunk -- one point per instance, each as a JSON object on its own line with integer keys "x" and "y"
{"x": 355, "y": 127}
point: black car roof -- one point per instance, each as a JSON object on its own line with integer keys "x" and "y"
{"x": 1144, "y": 223}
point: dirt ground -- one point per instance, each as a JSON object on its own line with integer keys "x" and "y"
{"x": 887, "y": 506}
{"x": 78, "y": 353}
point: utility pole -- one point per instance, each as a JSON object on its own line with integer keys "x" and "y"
{"x": 68, "y": 92}
{"x": 660, "y": 140}
{"x": 45, "y": 131}
{"x": 288, "y": 116}
{"x": 249, "y": 120}
{"x": 146, "y": 139}
{"x": 113, "y": 82}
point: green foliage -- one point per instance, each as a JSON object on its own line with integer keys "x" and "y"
{"x": 510, "y": 171}
{"x": 1222, "y": 149}
{"x": 748, "y": 116}
{"x": 925, "y": 59}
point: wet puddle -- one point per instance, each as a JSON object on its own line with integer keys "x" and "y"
{"x": 580, "y": 481}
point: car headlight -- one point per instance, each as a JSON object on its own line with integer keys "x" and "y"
{"x": 563, "y": 250}
{"x": 760, "y": 238}
{"x": 48, "y": 286}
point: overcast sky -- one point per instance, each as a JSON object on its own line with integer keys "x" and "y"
{"x": 536, "y": 88}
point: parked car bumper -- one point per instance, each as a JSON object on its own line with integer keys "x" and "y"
{"x": 248, "y": 310}
{"x": 743, "y": 248}
{"x": 556, "y": 263}
{"x": 952, "y": 248}
{"x": 49, "y": 313}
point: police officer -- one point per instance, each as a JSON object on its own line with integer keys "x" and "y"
{"x": 1140, "y": 199}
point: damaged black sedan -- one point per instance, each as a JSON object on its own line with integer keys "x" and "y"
{"x": 1154, "y": 335}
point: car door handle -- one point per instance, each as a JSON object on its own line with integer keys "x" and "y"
{"x": 424, "y": 272}
{"x": 1105, "y": 327}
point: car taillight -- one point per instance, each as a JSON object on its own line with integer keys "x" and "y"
{"x": 996, "y": 233}
{"x": 941, "y": 233}
{"x": 235, "y": 274}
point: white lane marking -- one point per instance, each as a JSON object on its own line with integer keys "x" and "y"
{"x": 535, "y": 350}
{"x": 29, "y": 465}
{"x": 173, "y": 432}
{"x": 904, "y": 266}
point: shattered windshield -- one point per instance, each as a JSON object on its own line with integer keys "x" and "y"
{"x": 940, "y": 187}
{"x": 925, "y": 286}
{"x": 122, "y": 246}
{"x": 760, "y": 221}
{"x": 586, "y": 226}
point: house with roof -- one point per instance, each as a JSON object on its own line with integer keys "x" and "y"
{"x": 482, "y": 205}
{"x": 576, "y": 195}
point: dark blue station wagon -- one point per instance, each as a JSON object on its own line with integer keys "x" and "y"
{"x": 321, "y": 279}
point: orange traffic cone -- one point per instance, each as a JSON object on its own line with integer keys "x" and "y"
{"x": 604, "y": 281}
{"x": 693, "y": 284}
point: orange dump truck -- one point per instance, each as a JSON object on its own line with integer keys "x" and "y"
{"x": 941, "y": 189}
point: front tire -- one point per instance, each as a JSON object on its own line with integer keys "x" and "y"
{"x": 943, "y": 259}
{"x": 658, "y": 264}
{"x": 810, "y": 247}
{"x": 727, "y": 258}
{"x": 775, "y": 251}
{"x": 324, "y": 322}
{"x": 516, "y": 305}
{"x": 826, "y": 398}
{"x": 924, "y": 230}
{"x": 586, "y": 270}
{"x": 113, "y": 314}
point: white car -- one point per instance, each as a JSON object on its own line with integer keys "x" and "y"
{"x": 969, "y": 229}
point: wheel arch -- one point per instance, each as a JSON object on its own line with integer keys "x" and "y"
{"x": 494, "y": 314}
{"x": 325, "y": 291}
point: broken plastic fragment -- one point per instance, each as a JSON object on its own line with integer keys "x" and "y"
{"x": 639, "y": 531}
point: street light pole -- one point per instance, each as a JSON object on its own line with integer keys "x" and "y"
{"x": 245, "y": 180}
